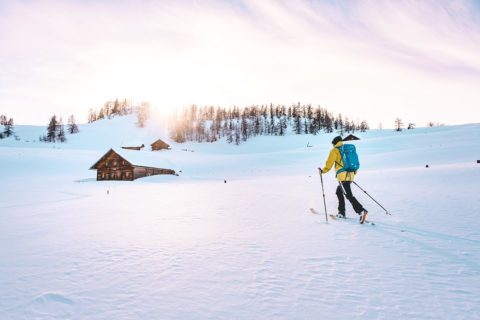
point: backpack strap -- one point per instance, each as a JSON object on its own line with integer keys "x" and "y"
{"x": 342, "y": 169}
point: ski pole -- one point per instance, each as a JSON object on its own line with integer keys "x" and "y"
{"x": 386, "y": 211}
{"x": 343, "y": 189}
{"x": 323, "y": 192}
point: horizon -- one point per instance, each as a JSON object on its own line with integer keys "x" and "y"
{"x": 366, "y": 60}
{"x": 161, "y": 120}
{"x": 159, "y": 116}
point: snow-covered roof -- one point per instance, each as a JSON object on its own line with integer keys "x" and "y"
{"x": 141, "y": 158}
{"x": 350, "y": 137}
{"x": 133, "y": 144}
{"x": 159, "y": 140}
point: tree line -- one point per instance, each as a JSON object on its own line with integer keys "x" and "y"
{"x": 239, "y": 124}
{"x": 56, "y": 129}
{"x": 398, "y": 125}
{"x": 109, "y": 109}
{"x": 123, "y": 107}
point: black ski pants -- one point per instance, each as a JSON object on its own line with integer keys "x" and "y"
{"x": 341, "y": 200}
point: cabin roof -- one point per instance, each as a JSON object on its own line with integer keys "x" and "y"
{"x": 350, "y": 137}
{"x": 133, "y": 144}
{"x": 159, "y": 140}
{"x": 139, "y": 159}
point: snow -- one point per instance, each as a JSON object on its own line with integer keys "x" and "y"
{"x": 195, "y": 247}
{"x": 147, "y": 158}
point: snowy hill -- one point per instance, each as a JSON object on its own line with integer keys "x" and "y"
{"x": 195, "y": 247}
{"x": 101, "y": 134}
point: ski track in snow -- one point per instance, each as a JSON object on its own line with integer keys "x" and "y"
{"x": 194, "y": 247}
{"x": 20, "y": 196}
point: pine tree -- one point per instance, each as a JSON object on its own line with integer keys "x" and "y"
{"x": 363, "y": 126}
{"x": 237, "y": 134}
{"x": 101, "y": 114}
{"x": 282, "y": 126}
{"x": 398, "y": 124}
{"x": 8, "y": 129}
{"x": 72, "y": 126}
{"x": 116, "y": 107}
{"x": 273, "y": 126}
{"x": 305, "y": 125}
{"x": 309, "y": 112}
{"x": 212, "y": 137}
{"x": 61, "y": 132}
{"x": 92, "y": 116}
{"x": 229, "y": 132}
{"x": 52, "y": 129}
{"x": 257, "y": 126}
{"x": 200, "y": 131}
{"x": 108, "y": 107}
{"x": 244, "y": 128}
{"x": 297, "y": 124}
{"x": 341, "y": 125}
{"x": 347, "y": 126}
{"x": 143, "y": 113}
{"x": 329, "y": 124}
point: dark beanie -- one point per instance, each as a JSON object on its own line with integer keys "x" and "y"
{"x": 336, "y": 140}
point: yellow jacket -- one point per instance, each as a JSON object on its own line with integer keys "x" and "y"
{"x": 335, "y": 158}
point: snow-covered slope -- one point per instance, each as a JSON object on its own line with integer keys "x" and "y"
{"x": 232, "y": 237}
{"x": 107, "y": 133}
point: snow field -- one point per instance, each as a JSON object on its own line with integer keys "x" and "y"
{"x": 194, "y": 247}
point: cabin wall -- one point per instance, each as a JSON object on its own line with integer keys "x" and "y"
{"x": 140, "y": 172}
{"x": 115, "y": 174}
{"x": 159, "y": 146}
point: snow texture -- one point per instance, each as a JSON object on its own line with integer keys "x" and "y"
{"x": 232, "y": 237}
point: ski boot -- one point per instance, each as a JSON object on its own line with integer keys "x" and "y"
{"x": 363, "y": 216}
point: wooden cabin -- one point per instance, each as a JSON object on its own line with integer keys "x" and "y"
{"x": 138, "y": 148}
{"x": 350, "y": 137}
{"x": 114, "y": 165}
{"x": 159, "y": 145}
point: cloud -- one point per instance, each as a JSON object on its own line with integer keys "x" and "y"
{"x": 367, "y": 59}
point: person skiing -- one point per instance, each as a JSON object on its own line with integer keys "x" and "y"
{"x": 344, "y": 181}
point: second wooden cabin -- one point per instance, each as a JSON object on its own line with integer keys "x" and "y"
{"x": 159, "y": 145}
{"x": 133, "y": 147}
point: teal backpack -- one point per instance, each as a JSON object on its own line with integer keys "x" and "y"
{"x": 349, "y": 158}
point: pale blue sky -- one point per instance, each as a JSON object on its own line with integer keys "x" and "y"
{"x": 373, "y": 60}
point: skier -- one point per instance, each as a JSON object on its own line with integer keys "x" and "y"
{"x": 344, "y": 181}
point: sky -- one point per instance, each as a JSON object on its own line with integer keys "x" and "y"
{"x": 369, "y": 60}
